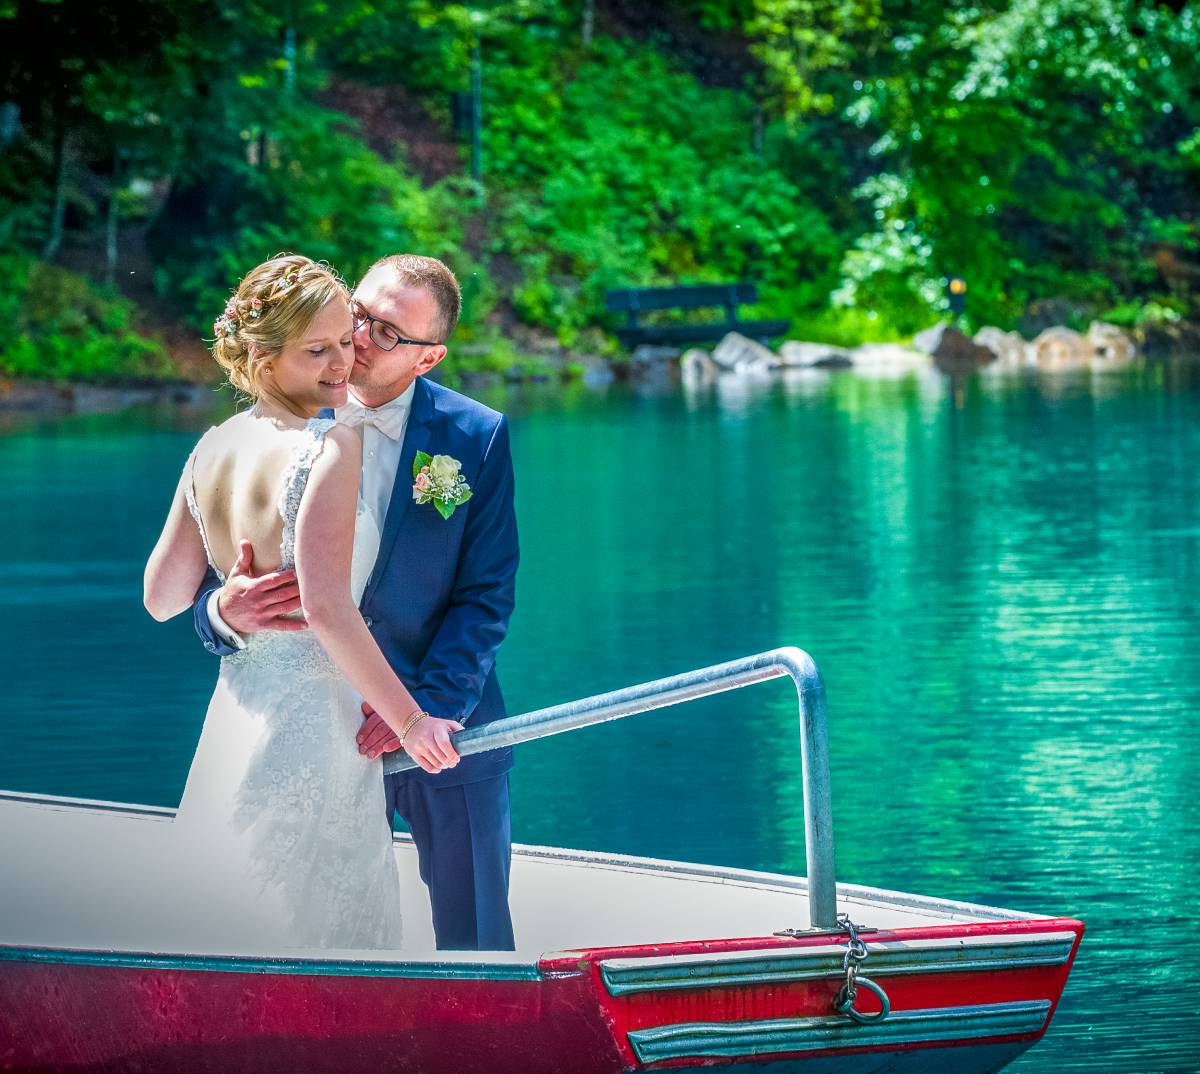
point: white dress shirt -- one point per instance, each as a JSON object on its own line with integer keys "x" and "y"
{"x": 381, "y": 452}
{"x": 380, "y": 460}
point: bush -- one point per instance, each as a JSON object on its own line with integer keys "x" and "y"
{"x": 320, "y": 192}
{"x": 625, "y": 171}
{"x": 61, "y": 326}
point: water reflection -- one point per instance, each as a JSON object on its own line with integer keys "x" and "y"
{"x": 997, "y": 578}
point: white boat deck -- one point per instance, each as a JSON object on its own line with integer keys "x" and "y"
{"x": 87, "y": 876}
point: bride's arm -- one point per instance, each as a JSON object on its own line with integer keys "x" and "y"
{"x": 178, "y": 562}
{"x": 324, "y": 546}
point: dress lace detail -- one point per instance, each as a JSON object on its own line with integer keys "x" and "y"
{"x": 189, "y": 489}
{"x": 282, "y": 821}
{"x": 295, "y": 479}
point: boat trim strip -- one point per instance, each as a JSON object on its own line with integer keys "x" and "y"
{"x": 782, "y": 1035}
{"x": 473, "y": 970}
{"x": 623, "y": 976}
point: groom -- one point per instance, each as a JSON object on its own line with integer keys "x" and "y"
{"x": 439, "y": 598}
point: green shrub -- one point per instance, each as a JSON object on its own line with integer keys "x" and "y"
{"x": 60, "y": 326}
{"x": 321, "y": 192}
{"x": 623, "y": 170}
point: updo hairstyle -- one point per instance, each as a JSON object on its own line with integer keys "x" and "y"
{"x": 275, "y": 303}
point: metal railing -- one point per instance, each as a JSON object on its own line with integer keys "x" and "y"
{"x": 814, "y": 742}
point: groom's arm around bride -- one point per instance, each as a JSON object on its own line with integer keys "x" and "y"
{"x": 441, "y": 593}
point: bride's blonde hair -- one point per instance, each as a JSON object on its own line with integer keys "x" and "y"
{"x": 275, "y": 302}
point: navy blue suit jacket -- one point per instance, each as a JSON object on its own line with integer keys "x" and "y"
{"x": 439, "y": 599}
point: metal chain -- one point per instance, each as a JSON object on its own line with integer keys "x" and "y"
{"x": 856, "y": 954}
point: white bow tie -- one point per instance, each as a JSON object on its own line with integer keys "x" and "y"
{"x": 389, "y": 420}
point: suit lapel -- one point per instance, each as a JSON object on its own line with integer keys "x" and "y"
{"x": 416, "y": 438}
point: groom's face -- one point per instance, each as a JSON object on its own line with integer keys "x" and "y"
{"x": 380, "y": 375}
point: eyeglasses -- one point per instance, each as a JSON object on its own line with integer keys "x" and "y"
{"x": 382, "y": 334}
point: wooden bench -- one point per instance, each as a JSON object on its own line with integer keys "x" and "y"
{"x": 636, "y": 301}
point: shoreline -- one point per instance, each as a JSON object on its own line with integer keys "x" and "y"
{"x": 28, "y": 398}
{"x": 56, "y": 398}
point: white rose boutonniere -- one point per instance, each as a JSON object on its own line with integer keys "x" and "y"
{"x": 437, "y": 479}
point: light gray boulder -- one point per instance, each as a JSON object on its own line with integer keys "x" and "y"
{"x": 1060, "y": 350}
{"x": 1010, "y": 348}
{"x": 888, "y": 359}
{"x": 647, "y": 354}
{"x": 697, "y": 367}
{"x": 797, "y": 355}
{"x": 952, "y": 350}
{"x": 737, "y": 354}
{"x": 1112, "y": 345}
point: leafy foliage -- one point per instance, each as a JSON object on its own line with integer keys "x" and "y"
{"x": 628, "y": 172}
{"x": 61, "y": 327}
{"x": 1041, "y": 149}
{"x": 318, "y": 190}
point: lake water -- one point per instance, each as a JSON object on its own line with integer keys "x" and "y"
{"x": 998, "y": 579}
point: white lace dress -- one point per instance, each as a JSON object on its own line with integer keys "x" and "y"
{"x": 282, "y": 826}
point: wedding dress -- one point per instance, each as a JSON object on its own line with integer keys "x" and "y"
{"x": 282, "y": 827}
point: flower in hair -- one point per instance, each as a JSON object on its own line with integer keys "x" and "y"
{"x": 255, "y": 312}
{"x": 292, "y": 276}
{"x": 227, "y": 324}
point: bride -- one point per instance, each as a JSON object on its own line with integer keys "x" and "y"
{"x": 281, "y": 832}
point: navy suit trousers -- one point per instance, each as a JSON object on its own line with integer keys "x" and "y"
{"x": 464, "y": 849}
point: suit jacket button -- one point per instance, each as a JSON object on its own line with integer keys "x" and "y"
{"x": 368, "y": 620}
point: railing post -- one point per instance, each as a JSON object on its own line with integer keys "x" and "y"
{"x": 814, "y": 742}
{"x": 818, "y": 795}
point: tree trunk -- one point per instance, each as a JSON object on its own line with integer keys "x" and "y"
{"x": 589, "y": 21}
{"x": 58, "y": 205}
{"x": 111, "y": 220}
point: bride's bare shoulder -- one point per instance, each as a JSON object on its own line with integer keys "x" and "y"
{"x": 252, "y": 449}
{"x": 344, "y": 438}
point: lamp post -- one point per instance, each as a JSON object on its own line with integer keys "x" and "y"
{"x": 956, "y": 293}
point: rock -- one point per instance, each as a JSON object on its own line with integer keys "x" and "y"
{"x": 598, "y": 374}
{"x": 928, "y": 340}
{"x": 887, "y": 358}
{"x": 1112, "y": 346}
{"x": 1166, "y": 339}
{"x": 479, "y": 380}
{"x": 1059, "y": 350}
{"x": 795, "y": 355}
{"x": 697, "y": 366}
{"x": 952, "y": 350}
{"x": 1010, "y": 348}
{"x": 648, "y": 354}
{"x": 737, "y": 354}
{"x": 1049, "y": 313}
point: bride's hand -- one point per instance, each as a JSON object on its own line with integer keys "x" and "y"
{"x": 428, "y": 743}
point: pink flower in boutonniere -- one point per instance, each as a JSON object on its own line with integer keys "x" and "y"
{"x": 437, "y": 479}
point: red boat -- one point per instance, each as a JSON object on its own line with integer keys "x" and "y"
{"x": 623, "y": 964}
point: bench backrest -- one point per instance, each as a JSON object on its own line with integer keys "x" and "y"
{"x": 638, "y": 300}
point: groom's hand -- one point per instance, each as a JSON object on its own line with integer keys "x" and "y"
{"x": 375, "y": 737}
{"x": 249, "y": 603}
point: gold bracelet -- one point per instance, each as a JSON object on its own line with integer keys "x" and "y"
{"x": 413, "y": 720}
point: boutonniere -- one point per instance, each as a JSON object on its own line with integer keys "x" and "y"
{"x": 437, "y": 480}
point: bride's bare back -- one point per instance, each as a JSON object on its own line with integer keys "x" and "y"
{"x": 237, "y": 476}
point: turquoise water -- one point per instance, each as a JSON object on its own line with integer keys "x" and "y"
{"x": 998, "y": 580}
